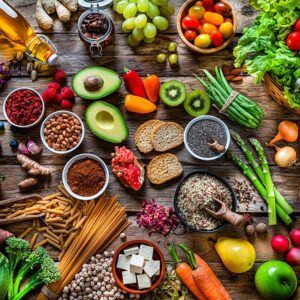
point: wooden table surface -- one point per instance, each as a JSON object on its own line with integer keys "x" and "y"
{"x": 74, "y": 56}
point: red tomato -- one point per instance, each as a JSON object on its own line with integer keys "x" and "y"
{"x": 190, "y": 34}
{"x": 293, "y": 41}
{"x": 223, "y": 9}
{"x": 198, "y": 3}
{"x": 200, "y": 29}
{"x": 183, "y": 26}
{"x": 208, "y": 5}
{"x": 297, "y": 25}
{"x": 190, "y": 22}
{"x": 216, "y": 38}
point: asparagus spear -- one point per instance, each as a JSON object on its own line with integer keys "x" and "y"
{"x": 268, "y": 180}
{"x": 285, "y": 218}
{"x": 281, "y": 201}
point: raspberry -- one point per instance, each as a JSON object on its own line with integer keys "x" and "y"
{"x": 58, "y": 99}
{"x": 46, "y": 97}
{"x": 54, "y": 85}
{"x": 67, "y": 93}
{"x": 60, "y": 76}
{"x": 66, "y": 103}
{"x": 51, "y": 93}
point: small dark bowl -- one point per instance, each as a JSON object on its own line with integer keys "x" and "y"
{"x": 182, "y": 218}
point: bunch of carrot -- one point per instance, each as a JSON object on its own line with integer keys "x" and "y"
{"x": 198, "y": 277}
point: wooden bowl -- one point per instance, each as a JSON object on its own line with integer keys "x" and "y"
{"x": 184, "y": 11}
{"x": 157, "y": 254}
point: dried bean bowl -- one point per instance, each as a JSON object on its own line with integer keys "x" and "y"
{"x": 181, "y": 215}
{"x": 29, "y": 125}
{"x": 54, "y": 114}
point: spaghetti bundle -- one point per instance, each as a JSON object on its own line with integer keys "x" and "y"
{"x": 106, "y": 221}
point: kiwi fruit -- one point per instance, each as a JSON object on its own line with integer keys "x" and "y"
{"x": 197, "y": 103}
{"x": 172, "y": 93}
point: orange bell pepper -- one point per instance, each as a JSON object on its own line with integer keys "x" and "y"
{"x": 152, "y": 85}
{"x": 139, "y": 105}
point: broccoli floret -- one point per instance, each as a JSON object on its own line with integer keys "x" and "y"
{"x": 17, "y": 250}
{"x": 48, "y": 273}
{"x": 34, "y": 259}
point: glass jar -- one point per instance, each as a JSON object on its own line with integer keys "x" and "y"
{"x": 95, "y": 9}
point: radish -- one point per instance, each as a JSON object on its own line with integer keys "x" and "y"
{"x": 4, "y": 235}
{"x": 295, "y": 236}
{"x": 293, "y": 256}
{"x": 280, "y": 243}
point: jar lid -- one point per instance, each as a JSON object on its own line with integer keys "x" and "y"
{"x": 99, "y": 4}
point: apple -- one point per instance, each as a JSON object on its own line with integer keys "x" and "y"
{"x": 275, "y": 279}
{"x": 293, "y": 256}
{"x": 280, "y": 243}
{"x": 295, "y": 233}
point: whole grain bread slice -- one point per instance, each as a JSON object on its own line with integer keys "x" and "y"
{"x": 166, "y": 136}
{"x": 164, "y": 167}
{"x": 143, "y": 134}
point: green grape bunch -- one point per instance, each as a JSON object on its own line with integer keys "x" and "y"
{"x": 143, "y": 18}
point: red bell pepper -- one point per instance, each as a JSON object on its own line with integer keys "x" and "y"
{"x": 134, "y": 83}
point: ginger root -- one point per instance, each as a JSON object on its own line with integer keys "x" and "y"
{"x": 42, "y": 18}
{"x": 62, "y": 12}
{"x": 49, "y": 6}
{"x": 215, "y": 146}
{"x": 71, "y": 5}
{"x": 32, "y": 166}
{"x": 27, "y": 183}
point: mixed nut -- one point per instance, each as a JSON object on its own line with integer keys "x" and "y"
{"x": 62, "y": 132}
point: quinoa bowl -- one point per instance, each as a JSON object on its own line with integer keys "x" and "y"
{"x": 195, "y": 191}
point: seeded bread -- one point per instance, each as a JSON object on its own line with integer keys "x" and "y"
{"x": 166, "y": 136}
{"x": 143, "y": 135}
{"x": 164, "y": 167}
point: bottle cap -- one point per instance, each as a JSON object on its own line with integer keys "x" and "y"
{"x": 52, "y": 60}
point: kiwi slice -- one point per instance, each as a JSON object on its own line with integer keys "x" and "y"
{"x": 172, "y": 93}
{"x": 197, "y": 103}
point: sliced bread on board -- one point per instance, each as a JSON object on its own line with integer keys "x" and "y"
{"x": 166, "y": 136}
{"x": 164, "y": 167}
{"x": 143, "y": 134}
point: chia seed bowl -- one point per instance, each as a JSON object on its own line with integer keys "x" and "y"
{"x": 200, "y": 131}
{"x": 196, "y": 190}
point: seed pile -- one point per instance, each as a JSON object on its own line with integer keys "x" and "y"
{"x": 197, "y": 192}
{"x": 23, "y": 107}
{"x": 62, "y": 132}
{"x": 95, "y": 281}
{"x": 243, "y": 192}
{"x": 94, "y": 26}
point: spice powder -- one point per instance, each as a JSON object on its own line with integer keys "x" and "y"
{"x": 86, "y": 177}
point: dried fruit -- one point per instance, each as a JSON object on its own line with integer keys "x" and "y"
{"x": 236, "y": 71}
{"x": 229, "y": 77}
{"x": 226, "y": 70}
{"x": 33, "y": 75}
{"x": 237, "y": 79}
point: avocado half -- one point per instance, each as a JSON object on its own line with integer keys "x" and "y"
{"x": 106, "y": 122}
{"x": 111, "y": 82}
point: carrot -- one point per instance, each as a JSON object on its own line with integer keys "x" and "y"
{"x": 213, "y": 277}
{"x": 184, "y": 272}
{"x": 204, "y": 277}
{"x": 152, "y": 85}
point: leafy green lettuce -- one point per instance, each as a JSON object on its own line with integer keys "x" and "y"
{"x": 262, "y": 46}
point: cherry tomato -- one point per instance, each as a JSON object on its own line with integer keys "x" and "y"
{"x": 213, "y": 18}
{"x": 183, "y": 26}
{"x": 200, "y": 29}
{"x": 208, "y": 5}
{"x": 202, "y": 40}
{"x": 190, "y": 22}
{"x": 216, "y": 38}
{"x": 197, "y": 12}
{"x": 297, "y": 25}
{"x": 190, "y": 34}
{"x": 202, "y": 21}
{"x": 228, "y": 20}
{"x": 198, "y": 3}
{"x": 226, "y": 29}
{"x": 223, "y": 9}
{"x": 293, "y": 41}
{"x": 208, "y": 28}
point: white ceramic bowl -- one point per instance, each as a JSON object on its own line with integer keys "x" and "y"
{"x": 201, "y": 118}
{"x": 59, "y": 112}
{"x": 23, "y": 126}
{"x": 71, "y": 162}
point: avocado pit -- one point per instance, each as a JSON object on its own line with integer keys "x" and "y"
{"x": 93, "y": 83}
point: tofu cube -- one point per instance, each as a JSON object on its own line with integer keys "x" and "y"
{"x": 146, "y": 252}
{"x": 128, "y": 277}
{"x": 152, "y": 267}
{"x": 131, "y": 251}
{"x": 123, "y": 262}
{"x": 144, "y": 281}
{"x": 136, "y": 264}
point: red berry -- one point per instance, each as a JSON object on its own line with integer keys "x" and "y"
{"x": 60, "y": 76}
{"x": 54, "y": 85}
{"x": 51, "y": 93}
{"x": 45, "y": 96}
{"x": 67, "y": 93}
{"x": 66, "y": 103}
{"x": 58, "y": 99}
